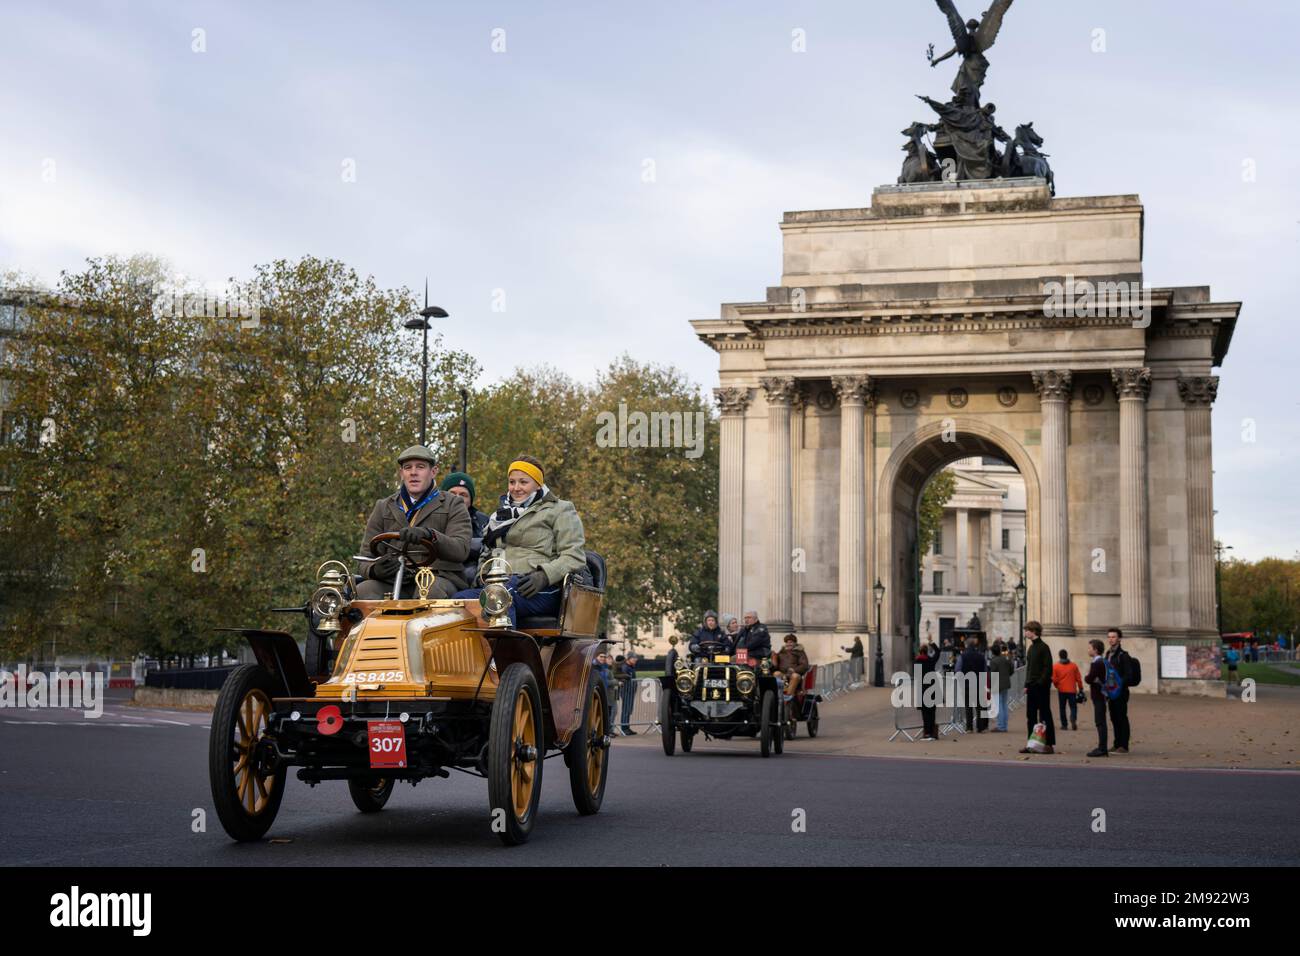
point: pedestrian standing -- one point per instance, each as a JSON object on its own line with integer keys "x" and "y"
{"x": 1232, "y": 657}
{"x": 855, "y": 658}
{"x": 629, "y": 692}
{"x": 1068, "y": 682}
{"x": 973, "y": 662}
{"x": 1002, "y": 670}
{"x": 1038, "y": 686}
{"x": 1125, "y": 667}
{"x": 930, "y": 729}
{"x": 1096, "y": 682}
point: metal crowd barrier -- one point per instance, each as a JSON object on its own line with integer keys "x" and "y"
{"x": 909, "y": 722}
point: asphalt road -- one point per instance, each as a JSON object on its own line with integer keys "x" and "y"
{"x": 122, "y": 790}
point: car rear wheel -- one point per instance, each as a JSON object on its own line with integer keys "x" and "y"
{"x": 667, "y": 729}
{"x": 370, "y": 796}
{"x": 515, "y": 755}
{"x": 813, "y": 721}
{"x": 768, "y": 727}
{"x": 688, "y": 740}
{"x": 246, "y": 796}
{"x": 588, "y": 751}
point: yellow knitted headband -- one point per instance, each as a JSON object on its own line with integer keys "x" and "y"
{"x": 529, "y": 469}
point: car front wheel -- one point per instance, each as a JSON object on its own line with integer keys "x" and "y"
{"x": 245, "y": 792}
{"x": 515, "y": 755}
{"x": 370, "y": 796}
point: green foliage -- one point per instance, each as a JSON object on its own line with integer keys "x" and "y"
{"x": 938, "y": 492}
{"x": 200, "y": 468}
{"x": 1261, "y": 595}
{"x": 183, "y": 443}
{"x": 651, "y": 512}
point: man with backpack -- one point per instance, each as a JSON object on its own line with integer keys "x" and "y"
{"x": 1122, "y": 672}
{"x": 1096, "y": 681}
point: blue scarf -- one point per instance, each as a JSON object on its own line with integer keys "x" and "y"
{"x": 404, "y": 499}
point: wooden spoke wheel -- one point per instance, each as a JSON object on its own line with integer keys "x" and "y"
{"x": 814, "y": 720}
{"x": 245, "y": 791}
{"x": 588, "y": 751}
{"x": 515, "y": 752}
{"x": 370, "y": 796}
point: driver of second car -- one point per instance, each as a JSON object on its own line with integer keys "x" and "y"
{"x": 425, "y": 517}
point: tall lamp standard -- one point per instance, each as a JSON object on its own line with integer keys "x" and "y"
{"x": 878, "y": 676}
{"x": 1219, "y": 548}
{"x": 422, "y": 322}
{"x": 1020, "y": 605}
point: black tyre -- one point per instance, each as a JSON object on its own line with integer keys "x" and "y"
{"x": 667, "y": 728}
{"x": 813, "y": 721}
{"x": 587, "y": 753}
{"x": 768, "y": 727}
{"x": 688, "y": 740}
{"x": 246, "y": 797}
{"x": 370, "y": 796}
{"x": 515, "y": 752}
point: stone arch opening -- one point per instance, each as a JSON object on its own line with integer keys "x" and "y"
{"x": 912, "y": 462}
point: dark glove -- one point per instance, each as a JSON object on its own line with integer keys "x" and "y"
{"x": 413, "y": 535}
{"x": 385, "y": 569}
{"x": 530, "y": 585}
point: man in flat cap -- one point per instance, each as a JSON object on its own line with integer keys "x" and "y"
{"x": 423, "y": 515}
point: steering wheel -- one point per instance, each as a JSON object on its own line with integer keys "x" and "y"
{"x": 389, "y": 544}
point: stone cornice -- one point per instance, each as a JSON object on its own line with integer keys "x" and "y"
{"x": 1053, "y": 384}
{"x": 1131, "y": 382}
{"x": 1198, "y": 389}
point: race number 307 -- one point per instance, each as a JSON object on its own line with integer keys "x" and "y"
{"x": 387, "y": 743}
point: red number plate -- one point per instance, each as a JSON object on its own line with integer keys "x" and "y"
{"x": 742, "y": 655}
{"x": 387, "y": 743}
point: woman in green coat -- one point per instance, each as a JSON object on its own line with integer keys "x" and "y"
{"x": 541, "y": 538}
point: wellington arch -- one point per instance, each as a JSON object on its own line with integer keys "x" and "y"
{"x": 976, "y": 318}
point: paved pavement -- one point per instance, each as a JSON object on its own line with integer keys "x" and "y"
{"x": 122, "y": 790}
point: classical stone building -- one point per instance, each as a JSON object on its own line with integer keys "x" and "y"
{"x": 975, "y": 562}
{"x": 951, "y": 320}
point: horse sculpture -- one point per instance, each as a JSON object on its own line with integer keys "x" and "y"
{"x": 921, "y": 165}
{"x": 1023, "y": 157}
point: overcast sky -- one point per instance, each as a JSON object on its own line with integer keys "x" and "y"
{"x": 522, "y": 170}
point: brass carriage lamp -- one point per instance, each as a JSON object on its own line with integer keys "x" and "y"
{"x": 495, "y": 599}
{"x": 331, "y": 595}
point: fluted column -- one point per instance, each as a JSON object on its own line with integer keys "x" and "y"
{"x": 732, "y": 402}
{"x": 1132, "y": 386}
{"x": 797, "y": 578}
{"x": 1053, "y": 386}
{"x": 1198, "y": 394}
{"x": 963, "y": 551}
{"x": 855, "y": 392}
{"x": 781, "y": 393}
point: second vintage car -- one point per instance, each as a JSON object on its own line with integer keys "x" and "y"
{"x": 721, "y": 697}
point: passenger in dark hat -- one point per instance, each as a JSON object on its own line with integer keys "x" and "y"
{"x": 461, "y": 484}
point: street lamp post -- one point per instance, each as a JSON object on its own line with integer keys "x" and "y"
{"x": 1219, "y": 548}
{"x": 878, "y": 677}
{"x": 464, "y": 429}
{"x": 422, "y": 322}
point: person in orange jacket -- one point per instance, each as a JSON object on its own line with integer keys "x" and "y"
{"x": 1068, "y": 682}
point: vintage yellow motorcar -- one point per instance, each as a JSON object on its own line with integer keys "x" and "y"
{"x": 410, "y": 689}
